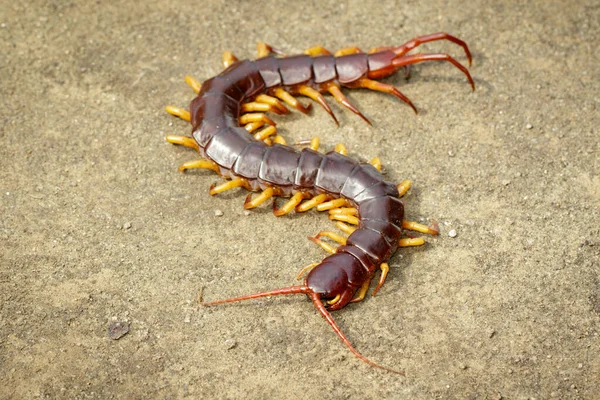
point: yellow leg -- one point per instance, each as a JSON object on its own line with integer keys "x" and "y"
{"x": 263, "y": 98}
{"x": 261, "y": 198}
{"x": 228, "y": 59}
{"x": 203, "y": 164}
{"x": 345, "y": 228}
{"x": 325, "y": 246}
{"x": 344, "y": 211}
{"x": 316, "y": 51}
{"x": 291, "y": 100}
{"x": 314, "y": 143}
{"x": 194, "y": 84}
{"x": 383, "y": 87}
{"x": 264, "y": 50}
{"x": 289, "y": 206}
{"x": 340, "y": 148}
{"x": 279, "y": 139}
{"x": 336, "y": 92}
{"x": 411, "y": 242}
{"x": 318, "y": 97}
{"x": 347, "y": 50}
{"x": 183, "y": 141}
{"x": 178, "y": 112}
{"x": 403, "y": 187}
{"x": 385, "y": 268}
{"x": 306, "y": 269}
{"x": 345, "y": 218}
{"x": 252, "y": 126}
{"x": 256, "y": 117}
{"x": 315, "y": 201}
{"x": 333, "y": 236}
{"x": 332, "y": 204}
{"x": 265, "y": 133}
{"x": 234, "y": 183}
{"x": 415, "y": 226}
{"x": 362, "y": 292}
{"x": 376, "y": 162}
{"x": 261, "y": 107}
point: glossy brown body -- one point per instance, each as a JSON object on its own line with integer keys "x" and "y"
{"x": 215, "y": 113}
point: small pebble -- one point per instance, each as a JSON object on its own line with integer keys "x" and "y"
{"x": 116, "y": 330}
{"x": 218, "y": 213}
{"x": 247, "y": 212}
{"x": 506, "y": 182}
{"x": 230, "y": 344}
{"x": 528, "y": 126}
{"x": 452, "y": 233}
{"x": 127, "y": 225}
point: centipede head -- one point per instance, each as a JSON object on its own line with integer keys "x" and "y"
{"x": 329, "y": 281}
{"x": 326, "y": 291}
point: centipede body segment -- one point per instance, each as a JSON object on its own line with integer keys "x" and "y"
{"x": 236, "y": 139}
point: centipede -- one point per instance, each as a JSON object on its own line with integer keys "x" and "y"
{"x": 236, "y": 138}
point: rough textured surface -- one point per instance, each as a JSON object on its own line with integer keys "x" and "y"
{"x": 97, "y": 225}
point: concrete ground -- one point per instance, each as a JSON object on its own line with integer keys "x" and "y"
{"x": 97, "y": 226}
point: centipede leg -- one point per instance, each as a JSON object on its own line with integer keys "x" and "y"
{"x": 317, "y": 51}
{"x": 383, "y": 87}
{"x": 318, "y": 97}
{"x": 325, "y": 246}
{"x": 199, "y": 164}
{"x": 229, "y": 59}
{"x": 415, "y": 226}
{"x": 256, "y": 117}
{"x": 347, "y": 50}
{"x": 345, "y": 228}
{"x": 362, "y": 292}
{"x": 264, "y": 50}
{"x": 232, "y": 184}
{"x": 291, "y": 100}
{"x": 193, "y": 83}
{"x": 264, "y": 98}
{"x": 411, "y": 44}
{"x": 306, "y": 269}
{"x": 337, "y": 203}
{"x": 336, "y": 92}
{"x": 403, "y": 187}
{"x": 183, "y": 141}
{"x": 179, "y": 112}
{"x": 344, "y": 218}
{"x": 341, "y": 148}
{"x": 265, "y": 133}
{"x": 261, "y": 198}
{"x": 252, "y": 126}
{"x": 376, "y": 162}
{"x": 289, "y": 206}
{"x": 260, "y": 107}
{"x": 417, "y": 58}
{"x": 344, "y": 211}
{"x": 331, "y": 235}
{"x": 385, "y": 268}
{"x": 315, "y": 201}
{"x": 411, "y": 242}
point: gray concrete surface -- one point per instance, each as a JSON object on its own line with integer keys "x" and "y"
{"x": 98, "y": 226}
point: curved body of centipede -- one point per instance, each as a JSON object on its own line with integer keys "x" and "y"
{"x": 228, "y": 109}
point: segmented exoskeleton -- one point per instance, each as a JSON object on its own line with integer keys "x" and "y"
{"x": 228, "y": 109}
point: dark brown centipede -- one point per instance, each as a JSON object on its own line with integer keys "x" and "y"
{"x": 239, "y": 142}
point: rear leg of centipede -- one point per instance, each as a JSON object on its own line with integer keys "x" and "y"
{"x": 335, "y": 90}
{"x": 367, "y": 83}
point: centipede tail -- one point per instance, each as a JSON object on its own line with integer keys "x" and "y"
{"x": 229, "y": 110}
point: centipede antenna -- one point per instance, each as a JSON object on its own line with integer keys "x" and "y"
{"x": 319, "y": 305}
{"x": 276, "y": 292}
